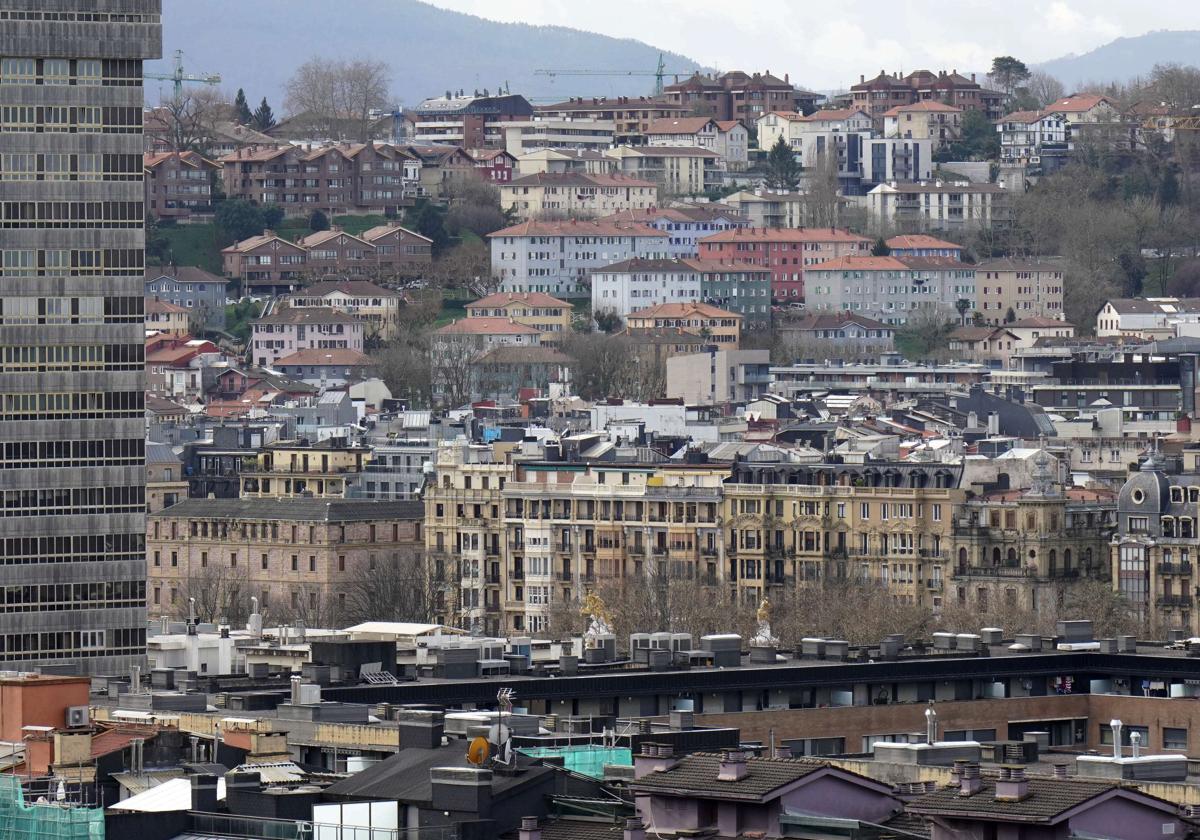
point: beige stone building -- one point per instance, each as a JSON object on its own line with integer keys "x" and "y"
{"x": 717, "y": 326}
{"x": 300, "y": 469}
{"x": 1026, "y": 288}
{"x": 889, "y": 523}
{"x": 166, "y": 317}
{"x": 533, "y": 309}
{"x": 300, "y": 557}
{"x": 576, "y": 195}
{"x": 927, "y": 119}
{"x": 378, "y": 308}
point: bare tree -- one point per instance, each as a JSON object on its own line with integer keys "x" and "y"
{"x": 397, "y": 589}
{"x": 822, "y": 192}
{"x": 187, "y": 123}
{"x": 1044, "y": 88}
{"x": 336, "y": 97}
{"x": 222, "y": 594}
{"x": 452, "y": 369}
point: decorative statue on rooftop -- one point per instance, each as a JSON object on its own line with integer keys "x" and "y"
{"x": 763, "y": 637}
{"x": 600, "y": 620}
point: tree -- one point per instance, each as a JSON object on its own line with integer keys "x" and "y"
{"x": 880, "y": 248}
{"x": 241, "y": 109}
{"x": 318, "y": 221}
{"x": 452, "y": 367}
{"x": 474, "y": 207}
{"x": 186, "y": 123}
{"x": 239, "y": 218}
{"x": 1185, "y": 280}
{"x": 962, "y": 305}
{"x": 925, "y": 334}
{"x": 221, "y": 594}
{"x": 429, "y": 220}
{"x": 782, "y": 172}
{"x": 1008, "y": 72}
{"x": 822, "y": 192}
{"x": 979, "y": 140}
{"x": 1044, "y": 89}
{"x": 264, "y": 118}
{"x": 466, "y": 266}
{"x": 396, "y": 589}
{"x": 337, "y": 97}
{"x": 1176, "y": 86}
{"x": 607, "y": 320}
{"x": 272, "y": 215}
{"x": 404, "y": 366}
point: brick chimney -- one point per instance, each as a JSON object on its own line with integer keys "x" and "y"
{"x": 653, "y": 758}
{"x": 1012, "y": 786}
{"x": 634, "y": 830}
{"x": 732, "y": 767}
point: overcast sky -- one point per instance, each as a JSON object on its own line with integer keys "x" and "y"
{"x": 827, "y": 44}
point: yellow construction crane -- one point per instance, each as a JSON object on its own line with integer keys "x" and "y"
{"x": 657, "y": 73}
{"x": 179, "y": 77}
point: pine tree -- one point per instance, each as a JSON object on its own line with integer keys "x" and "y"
{"x": 783, "y": 173}
{"x": 264, "y": 119}
{"x": 881, "y": 248}
{"x": 241, "y": 110}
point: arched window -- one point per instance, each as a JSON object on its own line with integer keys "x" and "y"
{"x": 1012, "y": 557}
{"x": 1053, "y": 561}
{"x": 1066, "y": 559}
{"x": 995, "y": 556}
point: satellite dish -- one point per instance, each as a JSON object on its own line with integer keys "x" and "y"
{"x": 498, "y": 734}
{"x": 478, "y": 751}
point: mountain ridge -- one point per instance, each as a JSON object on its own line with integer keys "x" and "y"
{"x": 413, "y": 37}
{"x": 1125, "y": 58}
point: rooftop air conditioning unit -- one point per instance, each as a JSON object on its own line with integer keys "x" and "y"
{"x": 77, "y": 716}
{"x": 1035, "y": 159}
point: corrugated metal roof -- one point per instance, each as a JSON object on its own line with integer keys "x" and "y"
{"x": 274, "y": 773}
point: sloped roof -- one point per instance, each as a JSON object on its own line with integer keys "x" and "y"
{"x": 1079, "y": 102}
{"x": 683, "y": 310}
{"x": 1047, "y": 800}
{"x": 257, "y": 241}
{"x": 764, "y": 234}
{"x": 1038, "y": 321}
{"x": 697, "y": 773}
{"x": 306, "y": 315}
{"x": 337, "y": 356}
{"x": 181, "y": 274}
{"x": 833, "y": 320}
{"x": 312, "y": 240}
{"x": 512, "y": 355}
{"x": 578, "y": 179}
{"x": 299, "y": 510}
{"x": 371, "y": 234}
{"x": 358, "y": 288}
{"x": 157, "y": 306}
{"x": 920, "y": 240}
{"x": 527, "y": 298}
{"x": 577, "y": 227}
{"x": 925, "y": 106}
{"x": 160, "y": 453}
{"x": 193, "y": 159}
{"x": 679, "y": 125}
{"x": 486, "y": 325}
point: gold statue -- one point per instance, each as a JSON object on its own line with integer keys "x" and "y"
{"x": 764, "y": 611}
{"x": 601, "y": 620}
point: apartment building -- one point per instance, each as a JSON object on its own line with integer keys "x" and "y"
{"x": 937, "y": 205}
{"x": 441, "y": 169}
{"x": 684, "y": 224}
{"x": 787, "y": 252}
{"x": 788, "y": 524}
{"x": 301, "y": 558}
{"x": 889, "y": 90}
{"x": 922, "y": 245}
{"x": 841, "y": 332}
{"x": 576, "y": 195}
{"x": 728, "y": 138}
{"x": 716, "y": 326}
{"x": 800, "y": 130}
{"x": 740, "y": 287}
{"x": 74, "y": 489}
{"x": 542, "y": 132}
{"x": 677, "y": 170}
{"x": 378, "y": 308}
{"x": 465, "y": 542}
{"x": 398, "y": 250}
{"x": 1016, "y": 549}
{"x": 763, "y": 207}
{"x": 334, "y": 250}
{"x": 301, "y": 469}
{"x": 192, "y": 288}
{"x": 1154, "y": 548}
{"x": 737, "y": 95}
{"x": 928, "y": 119}
{"x": 178, "y": 184}
{"x": 557, "y": 257}
{"x": 563, "y": 161}
{"x": 495, "y": 165}
{"x": 335, "y": 179}
{"x": 465, "y": 120}
{"x": 548, "y": 315}
{"x": 265, "y": 264}
{"x": 1010, "y": 289}
{"x": 887, "y": 159}
{"x": 567, "y": 527}
{"x": 891, "y": 289}
{"x": 288, "y": 329}
{"x": 167, "y": 317}
{"x": 1037, "y": 138}
{"x": 165, "y": 482}
{"x": 630, "y": 115}
{"x": 719, "y": 376}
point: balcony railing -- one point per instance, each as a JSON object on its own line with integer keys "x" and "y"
{"x": 1180, "y": 568}
{"x": 1174, "y": 601}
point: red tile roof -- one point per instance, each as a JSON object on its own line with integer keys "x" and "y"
{"x": 920, "y": 240}
{"x": 1038, "y": 321}
{"x": 925, "y": 105}
{"x": 758, "y": 234}
{"x": 156, "y": 306}
{"x": 683, "y": 310}
{"x": 153, "y": 159}
{"x": 486, "y": 326}
{"x": 340, "y": 356}
{"x": 1078, "y": 102}
{"x": 859, "y": 264}
{"x": 679, "y": 125}
{"x": 371, "y": 234}
{"x": 579, "y": 179}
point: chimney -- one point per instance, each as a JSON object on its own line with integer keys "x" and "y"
{"x": 420, "y": 729}
{"x": 463, "y": 789}
{"x": 930, "y": 726}
{"x": 970, "y": 783}
{"x": 1115, "y": 725}
{"x": 296, "y": 680}
{"x": 1012, "y": 786}
{"x": 1135, "y": 741}
{"x": 862, "y": 78}
{"x": 204, "y": 793}
{"x": 529, "y": 829}
{"x": 1060, "y": 771}
{"x": 972, "y": 77}
{"x": 732, "y": 767}
{"x": 653, "y": 758}
{"x": 783, "y": 752}
{"x": 634, "y": 830}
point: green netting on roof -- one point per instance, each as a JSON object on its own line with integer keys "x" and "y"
{"x": 38, "y": 821}
{"x": 585, "y": 759}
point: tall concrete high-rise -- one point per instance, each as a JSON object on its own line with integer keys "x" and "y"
{"x": 72, "y": 537}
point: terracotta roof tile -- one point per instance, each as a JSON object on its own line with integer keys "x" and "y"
{"x": 759, "y": 234}
{"x": 682, "y": 310}
{"x": 577, "y": 227}
{"x": 527, "y": 298}
{"x": 487, "y": 325}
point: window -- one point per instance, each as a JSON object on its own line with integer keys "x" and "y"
{"x": 1175, "y": 738}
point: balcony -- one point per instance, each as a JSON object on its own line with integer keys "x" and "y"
{"x": 995, "y": 571}
{"x": 1181, "y": 568}
{"x": 516, "y": 574}
{"x": 1171, "y": 601}
{"x": 933, "y": 585}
